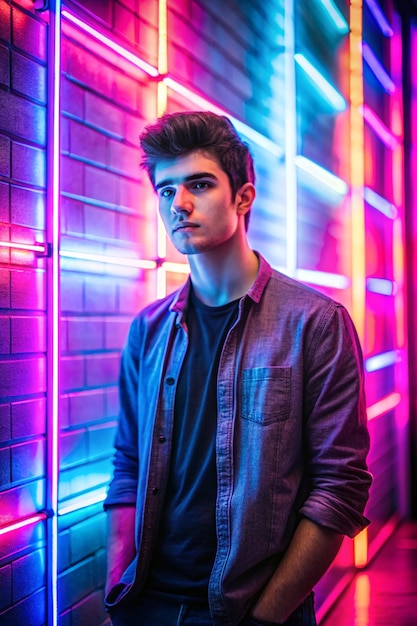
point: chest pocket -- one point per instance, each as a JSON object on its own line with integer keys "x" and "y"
{"x": 266, "y": 393}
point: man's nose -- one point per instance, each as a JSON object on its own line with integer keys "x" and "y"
{"x": 182, "y": 201}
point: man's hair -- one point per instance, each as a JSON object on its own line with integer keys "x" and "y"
{"x": 178, "y": 134}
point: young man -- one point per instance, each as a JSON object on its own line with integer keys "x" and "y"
{"x": 241, "y": 448}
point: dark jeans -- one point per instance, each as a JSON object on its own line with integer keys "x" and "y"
{"x": 155, "y": 611}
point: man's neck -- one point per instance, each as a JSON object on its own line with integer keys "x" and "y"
{"x": 219, "y": 277}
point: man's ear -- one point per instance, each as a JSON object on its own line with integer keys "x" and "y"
{"x": 245, "y": 197}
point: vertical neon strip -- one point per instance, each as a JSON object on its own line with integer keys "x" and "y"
{"x": 54, "y": 108}
{"x": 358, "y": 207}
{"x": 357, "y": 168}
{"x": 162, "y": 101}
{"x": 290, "y": 141}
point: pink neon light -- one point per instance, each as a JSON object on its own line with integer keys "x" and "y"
{"x": 379, "y": 128}
{"x": 129, "y": 56}
{"x": 22, "y": 523}
{"x": 383, "y": 406}
{"x": 24, "y": 246}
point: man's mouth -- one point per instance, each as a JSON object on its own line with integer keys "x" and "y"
{"x": 185, "y": 226}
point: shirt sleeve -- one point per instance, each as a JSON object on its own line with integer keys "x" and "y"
{"x": 123, "y": 487}
{"x": 335, "y": 425}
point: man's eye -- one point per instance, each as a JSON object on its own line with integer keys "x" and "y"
{"x": 201, "y": 185}
{"x": 166, "y": 193}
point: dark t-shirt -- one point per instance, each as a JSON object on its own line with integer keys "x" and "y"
{"x": 186, "y": 545}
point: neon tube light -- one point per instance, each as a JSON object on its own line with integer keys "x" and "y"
{"x": 379, "y": 203}
{"x": 129, "y": 56}
{"x": 360, "y": 549}
{"x": 357, "y": 167}
{"x": 378, "y": 69}
{"x": 333, "y": 97}
{"x": 380, "y": 18}
{"x": 113, "y": 260}
{"x": 382, "y": 286}
{"x": 384, "y": 359}
{"x": 324, "y": 279}
{"x": 336, "y": 16}
{"x": 241, "y": 127}
{"x": 39, "y": 248}
{"x": 291, "y": 212}
{"x": 82, "y": 502}
{"x": 323, "y": 176}
{"x": 22, "y": 523}
{"x": 383, "y": 406}
{"x": 378, "y": 126}
{"x": 179, "y": 268}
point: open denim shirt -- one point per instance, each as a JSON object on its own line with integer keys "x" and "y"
{"x": 291, "y": 440}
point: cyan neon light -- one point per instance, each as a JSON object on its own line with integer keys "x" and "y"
{"x": 379, "y": 203}
{"x": 378, "y": 69}
{"x": 241, "y": 127}
{"x": 34, "y": 519}
{"x": 382, "y": 360}
{"x": 129, "y": 56}
{"x": 379, "y": 128}
{"x": 321, "y": 176}
{"x": 81, "y": 502}
{"x": 383, "y": 406}
{"x": 326, "y": 89}
{"x": 336, "y": 16}
{"x": 324, "y": 279}
{"x": 380, "y": 18}
{"x": 113, "y": 260}
{"x": 382, "y": 286}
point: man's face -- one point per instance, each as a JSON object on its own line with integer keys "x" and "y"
{"x": 195, "y": 203}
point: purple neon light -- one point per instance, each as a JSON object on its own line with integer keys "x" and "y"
{"x": 380, "y": 18}
{"x": 22, "y": 523}
{"x": 378, "y": 69}
{"x": 129, "y": 56}
{"x": 379, "y": 128}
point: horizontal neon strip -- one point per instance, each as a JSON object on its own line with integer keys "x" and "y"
{"x": 378, "y": 126}
{"x": 379, "y": 203}
{"x": 24, "y": 246}
{"x": 383, "y": 406}
{"x": 242, "y": 128}
{"x": 129, "y": 56}
{"x": 382, "y": 286}
{"x": 82, "y": 502}
{"x": 22, "y": 523}
{"x": 321, "y": 175}
{"x": 380, "y": 18}
{"x": 179, "y": 268}
{"x": 384, "y": 359}
{"x": 113, "y": 260}
{"x": 378, "y": 69}
{"x": 336, "y": 16}
{"x": 333, "y": 97}
{"x": 324, "y": 279}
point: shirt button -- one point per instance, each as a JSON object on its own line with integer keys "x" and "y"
{"x": 170, "y": 380}
{"x": 162, "y": 439}
{"x": 155, "y": 490}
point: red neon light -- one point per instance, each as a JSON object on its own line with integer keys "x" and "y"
{"x": 22, "y": 523}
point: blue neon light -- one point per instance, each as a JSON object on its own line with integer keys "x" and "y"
{"x": 378, "y": 69}
{"x": 380, "y": 18}
{"x": 382, "y": 286}
{"x": 379, "y": 203}
{"x": 319, "y": 176}
{"x": 384, "y": 359}
{"x": 333, "y": 97}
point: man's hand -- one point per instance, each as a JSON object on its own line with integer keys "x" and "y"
{"x": 308, "y": 556}
{"x": 120, "y": 542}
